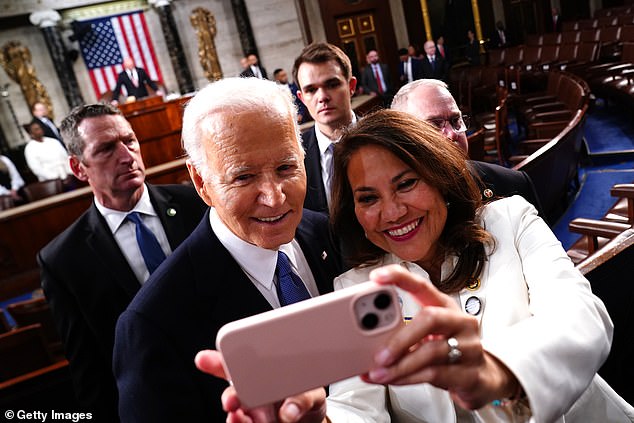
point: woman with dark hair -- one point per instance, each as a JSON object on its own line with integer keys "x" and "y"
{"x": 500, "y": 324}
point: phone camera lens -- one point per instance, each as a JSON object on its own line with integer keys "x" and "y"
{"x": 382, "y": 301}
{"x": 370, "y": 321}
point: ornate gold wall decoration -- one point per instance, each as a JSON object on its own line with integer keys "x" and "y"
{"x": 204, "y": 23}
{"x": 16, "y": 61}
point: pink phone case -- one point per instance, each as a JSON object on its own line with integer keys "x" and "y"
{"x": 309, "y": 344}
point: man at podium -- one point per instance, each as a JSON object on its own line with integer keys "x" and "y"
{"x": 133, "y": 79}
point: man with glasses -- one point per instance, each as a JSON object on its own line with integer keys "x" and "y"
{"x": 431, "y": 101}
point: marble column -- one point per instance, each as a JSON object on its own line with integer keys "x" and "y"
{"x": 174, "y": 46}
{"x": 47, "y": 21}
{"x": 247, "y": 41}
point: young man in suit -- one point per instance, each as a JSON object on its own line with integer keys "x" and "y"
{"x": 133, "y": 79}
{"x": 431, "y": 101}
{"x": 376, "y": 80}
{"x": 324, "y": 75}
{"x": 246, "y": 162}
{"x": 434, "y": 66}
{"x": 92, "y": 270}
{"x": 410, "y": 68}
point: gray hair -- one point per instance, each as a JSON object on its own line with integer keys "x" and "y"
{"x": 236, "y": 96}
{"x": 69, "y": 127}
{"x": 399, "y": 102}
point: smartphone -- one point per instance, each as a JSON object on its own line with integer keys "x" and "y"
{"x": 292, "y": 349}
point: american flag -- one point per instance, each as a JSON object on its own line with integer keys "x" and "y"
{"x": 110, "y": 40}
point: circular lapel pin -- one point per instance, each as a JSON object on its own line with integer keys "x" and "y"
{"x": 474, "y": 283}
{"x": 171, "y": 212}
{"x": 488, "y": 193}
{"x": 473, "y": 306}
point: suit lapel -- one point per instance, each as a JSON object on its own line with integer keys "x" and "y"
{"x": 223, "y": 289}
{"x": 315, "y": 191}
{"x": 170, "y": 214}
{"x": 102, "y": 244}
{"x": 322, "y": 260}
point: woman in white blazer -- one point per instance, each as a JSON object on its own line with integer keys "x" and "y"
{"x": 500, "y": 325}
{"x": 507, "y": 330}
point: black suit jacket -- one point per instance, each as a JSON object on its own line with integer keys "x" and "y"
{"x": 417, "y": 70}
{"x": 178, "y": 312}
{"x": 248, "y": 73}
{"x": 140, "y": 91}
{"x": 88, "y": 283}
{"x": 505, "y": 182}
{"x": 315, "y": 191}
{"x": 439, "y": 71}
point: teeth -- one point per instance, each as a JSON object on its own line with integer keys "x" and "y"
{"x": 271, "y": 219}
{"x": 404, "y": 230}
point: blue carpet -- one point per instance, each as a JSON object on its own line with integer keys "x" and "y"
{"x": 593, "y": 199}
{"x": 608, "y": 131}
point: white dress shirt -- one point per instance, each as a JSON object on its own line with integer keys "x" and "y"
{"x": 326, "y": 156}
{"x": 376, "y": 70}
{"x": 259, "y": 263}
{"x": 408, "y": 69}
{"x": 124, "y": 232}
{"x": 16, "y": 179}
{"x": 256, "y": 71}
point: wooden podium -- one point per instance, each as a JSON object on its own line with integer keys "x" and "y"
{"x": 157, "y": 125}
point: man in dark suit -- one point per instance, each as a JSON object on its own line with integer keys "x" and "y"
{"x": 253, "y": 69}
{"x": 434, "y": 66}
{"x": 376, "y": 80}
{"x": 556, "y": 20}
{"x": 91, "y": 271}
{"x": 246, "y": 163}
{"x": 431, "y": 101}
{"x": 499, "y": 38}
{"x": 281, "y": 77}
{"x": 410, "y": 68}
{"x": 40, "y": 116}
{"x": 133, "y": 79}
{"x": 326, "y": 85}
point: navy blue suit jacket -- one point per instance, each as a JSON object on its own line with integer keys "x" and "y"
{"x": 315, "y": 191}
{"x": 88, "y": 283}
{"x": 438, "y": 71}
{"x": 178, "y": 312}
{"x": 417, "y": 70}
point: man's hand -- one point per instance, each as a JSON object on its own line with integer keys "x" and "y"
{"x": 309, "y": 407}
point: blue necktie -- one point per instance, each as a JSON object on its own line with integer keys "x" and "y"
{"x": 151, "y": 250}
{"x": 290, "y": 288}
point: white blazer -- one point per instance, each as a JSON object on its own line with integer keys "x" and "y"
{"x": 538, "y": 316}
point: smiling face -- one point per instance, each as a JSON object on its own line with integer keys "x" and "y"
{"x": 326, "y": 93}
{"x": 399, "y": 212}
{"x": 111, "y": 162}
{"x": 256, "y": 179}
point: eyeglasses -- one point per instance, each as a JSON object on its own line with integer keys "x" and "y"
{"x": 458, "y": 123}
